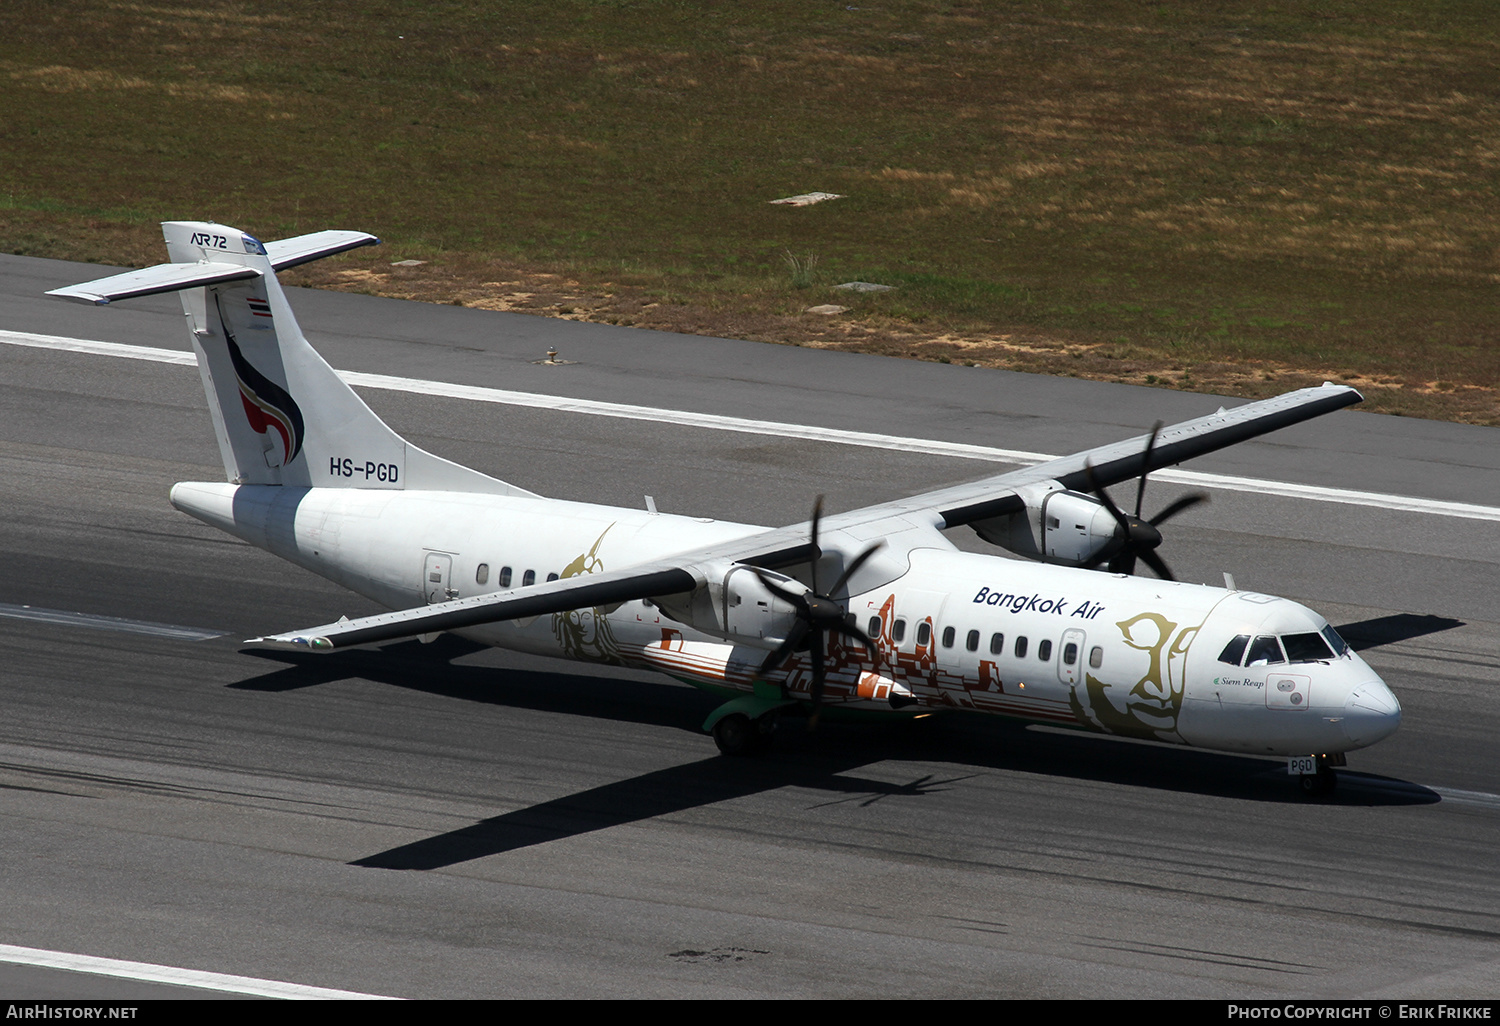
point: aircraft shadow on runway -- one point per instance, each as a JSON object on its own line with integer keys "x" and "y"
{"x": 431, "y": 670}
{"x": 714, "y": 780}
{"x": 1387, "y": 630}
{"x": 676, "y": 789}
{"x": 818, "y": 761}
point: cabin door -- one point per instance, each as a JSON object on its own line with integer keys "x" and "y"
{"x": 437, "y": 577}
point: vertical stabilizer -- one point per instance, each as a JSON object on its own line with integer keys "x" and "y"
{"x": 282, "y": 415}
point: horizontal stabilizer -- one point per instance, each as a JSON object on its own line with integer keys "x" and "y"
{"x": 151, "y": 281}
{"x": 603, "y": 589}
{"x": 306, "y": 248}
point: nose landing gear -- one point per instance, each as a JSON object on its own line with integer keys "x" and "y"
{"x": 1316, "y": 774}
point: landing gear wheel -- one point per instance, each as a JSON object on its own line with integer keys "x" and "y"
{"x": 738, "y": 735}
{"x": 1319, "y": 784}
{"x": 765, "y": 731}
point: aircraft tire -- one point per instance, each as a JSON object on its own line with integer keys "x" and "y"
{"x": 1319, "y": 784}
{"x": 765, "y": 731}
{"x": 738, "y": 736}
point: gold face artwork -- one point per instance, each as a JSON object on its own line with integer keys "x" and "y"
{"x": 585, "y": 633}
{"x": 1149, "y": 709}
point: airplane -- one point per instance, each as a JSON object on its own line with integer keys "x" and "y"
{"x": 872, "y": 609}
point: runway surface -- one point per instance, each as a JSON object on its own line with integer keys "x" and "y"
{"x": 425, "y": 821}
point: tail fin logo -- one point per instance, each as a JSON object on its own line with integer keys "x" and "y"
{"x": 268, "y": 406}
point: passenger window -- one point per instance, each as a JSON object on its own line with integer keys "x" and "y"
{"x": 924, "y": 632}
{"x": 972, "y": 641}
{"x": 1235, "y": 650}
{"x": 528, "y": 578}
{"x": 1263, "y": 651}
{"x": 1070, "y": 653}
{"x": 504, "y": 577}
{"x": 898, "y": 630}
{"x": 1096, "y": 657}
{"x": 1044, "y": 650}
{"x": 997, "y": 644}
{"x": 551, "y": 577}
{"x": 1020, "y": 648}
{"x": 874, "y": 631}
{"x": 948, "y": 635}
{"x": 482, "y": 575}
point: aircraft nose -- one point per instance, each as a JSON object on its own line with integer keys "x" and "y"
{"x": 1371, "y": 713}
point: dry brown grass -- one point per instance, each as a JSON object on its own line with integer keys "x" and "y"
{"x": 513, "y": 287}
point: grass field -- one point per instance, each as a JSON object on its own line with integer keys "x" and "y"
{"x": 1168, "y": 194}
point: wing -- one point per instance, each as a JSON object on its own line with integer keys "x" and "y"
{"x": 602, "y": 589}
{"x": 1118, "y": 461}
{"x": 787, "y": 546}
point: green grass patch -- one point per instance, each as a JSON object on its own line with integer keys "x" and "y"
{"x": 1312, "y": 183}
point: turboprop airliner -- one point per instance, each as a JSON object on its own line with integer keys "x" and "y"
{"x": 871, "y": 609}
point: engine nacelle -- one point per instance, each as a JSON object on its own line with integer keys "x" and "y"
{"x": 1057, "y": 526}
{"x": 733, "y": 604}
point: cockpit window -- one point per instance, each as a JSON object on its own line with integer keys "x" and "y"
{"x": 1306, "y": 648}
{"x": 1264, "y": 650}
{"x": 1235, "y": 650}
{"x": 1340, "y": 646}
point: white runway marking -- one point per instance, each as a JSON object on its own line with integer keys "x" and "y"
{"x": 475, "y": 393}
{"x": 194, "y": 978}
{"x": 106, "y": 623}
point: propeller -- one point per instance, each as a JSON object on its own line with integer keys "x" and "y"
{"x": 818, "y": 613}
{"x": 1136, "y": 538}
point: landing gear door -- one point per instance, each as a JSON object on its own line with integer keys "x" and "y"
{"x": 437, "y": 578}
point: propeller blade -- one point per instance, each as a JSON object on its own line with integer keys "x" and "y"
{"x": 786, "y": 648}
{"x": 790, "y": 597}
{"x": 819, "y": 616}
{"x": 1137, "y": 537}
{"x": 858, "y": 635}
{"x": 818, "y": 673}
{"x": 1103, "y": 496}
{"x": 1186, "y": 502}
{"x": 817, "y": 518}
{"x": 1154, "y": 561}
{"x": 1140, "y": 489}
{"x": 854, "y": 565}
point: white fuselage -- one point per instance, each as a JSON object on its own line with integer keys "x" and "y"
{"x": 1122, "y": 655}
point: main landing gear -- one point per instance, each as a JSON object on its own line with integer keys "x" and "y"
{"x": 1316, "y": 774}
{"x": 739, "y": 735}
{"x": 745, "y": 725}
